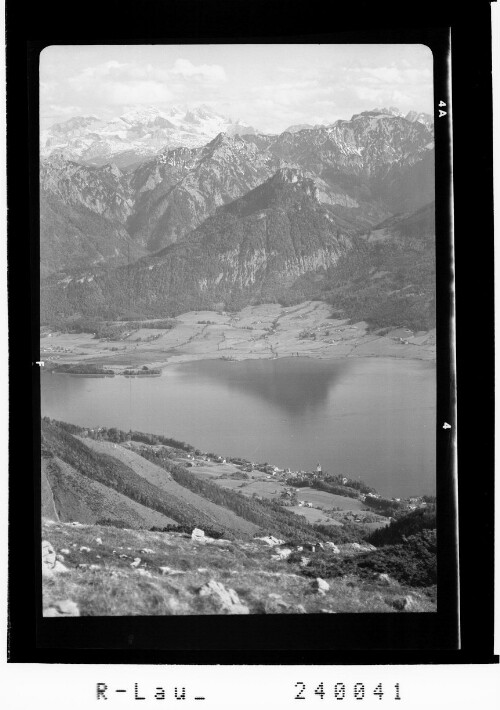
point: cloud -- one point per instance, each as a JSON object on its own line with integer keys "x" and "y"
{"x": 64, "y": 110}
{"x": 138, "y": 92}
{"x": 213, "y": 73}
{"x": 118, "y": 83}
{"x": 268, "y": 95}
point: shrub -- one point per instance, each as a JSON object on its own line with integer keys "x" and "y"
{"x": 110, "y": 522}
{"x": 413, "y": 562}
{"x": 188, "y": 529}
{"x": 411, "y": 524}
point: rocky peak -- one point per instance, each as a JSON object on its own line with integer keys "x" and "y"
{"x": 226, "y": 147}
{"x": 423, "y": 118}
{"x": 290, "y": 175}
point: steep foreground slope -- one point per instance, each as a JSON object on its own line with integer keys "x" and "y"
{"x": 119, "y": 572}
{"x": 67, "y": 496}
{"x": 93, "y": 481}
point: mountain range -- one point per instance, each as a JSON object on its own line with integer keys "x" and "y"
{"x": 135, "y": 135}
{"x": 239, "y": 219}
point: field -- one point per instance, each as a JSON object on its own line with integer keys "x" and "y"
{"x": 264, "y": 331}
{"x": 328, "y": 501}
{"x": 313, "y": 515}
{"x": 261, "y": 485}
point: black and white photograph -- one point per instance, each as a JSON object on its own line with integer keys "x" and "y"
{"x": 237, "y": 329}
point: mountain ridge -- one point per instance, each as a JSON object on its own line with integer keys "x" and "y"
{"x": 137, "y": 134}
{"x": 371, "y": 167}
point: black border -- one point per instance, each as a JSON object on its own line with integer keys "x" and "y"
{"x": 280, "y": 639}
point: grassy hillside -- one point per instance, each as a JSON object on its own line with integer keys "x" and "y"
{"x": 198, "y": 509}
{"x": 113, "y": 473}
{"x": 68, "y": 496}
{"x": 167, "y": 488}
{"x": 115, "y": 572}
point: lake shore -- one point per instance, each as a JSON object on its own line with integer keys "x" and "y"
{"x": 257, "y": 332}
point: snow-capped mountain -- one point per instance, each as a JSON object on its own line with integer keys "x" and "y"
{"x": 137, "y": 134}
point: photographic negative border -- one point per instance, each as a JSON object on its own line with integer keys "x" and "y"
{"x": 280, "y": 639}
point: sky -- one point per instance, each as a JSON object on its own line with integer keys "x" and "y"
{"x": 268, "y": 86}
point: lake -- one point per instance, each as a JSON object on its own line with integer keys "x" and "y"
{"x": 371, "y": 418}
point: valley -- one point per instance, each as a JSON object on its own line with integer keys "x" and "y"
{"x": 256, "y": 332}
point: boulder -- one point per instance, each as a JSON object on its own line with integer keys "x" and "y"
{"x": 136, "y": 562}
{"x": 226, "y": 599}
{"x": 407, "y": 603}
{"x": 270, "y": 540}
{"x": 169, "y": 570}
{"x": 198, "y": 535}
{"x": 282, "y": 553}
{"x": 50, "y": 564}
{"x": 63, "y": 608}
{"x": 386, "y": 581}
{"x": 320, "y": 586}
{"x": 48, "y": 554}
{"x": 144, "y": 572}
{"x": 276, "y": 605}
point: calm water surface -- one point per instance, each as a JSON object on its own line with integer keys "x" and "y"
{"x": 370, "y": 418}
